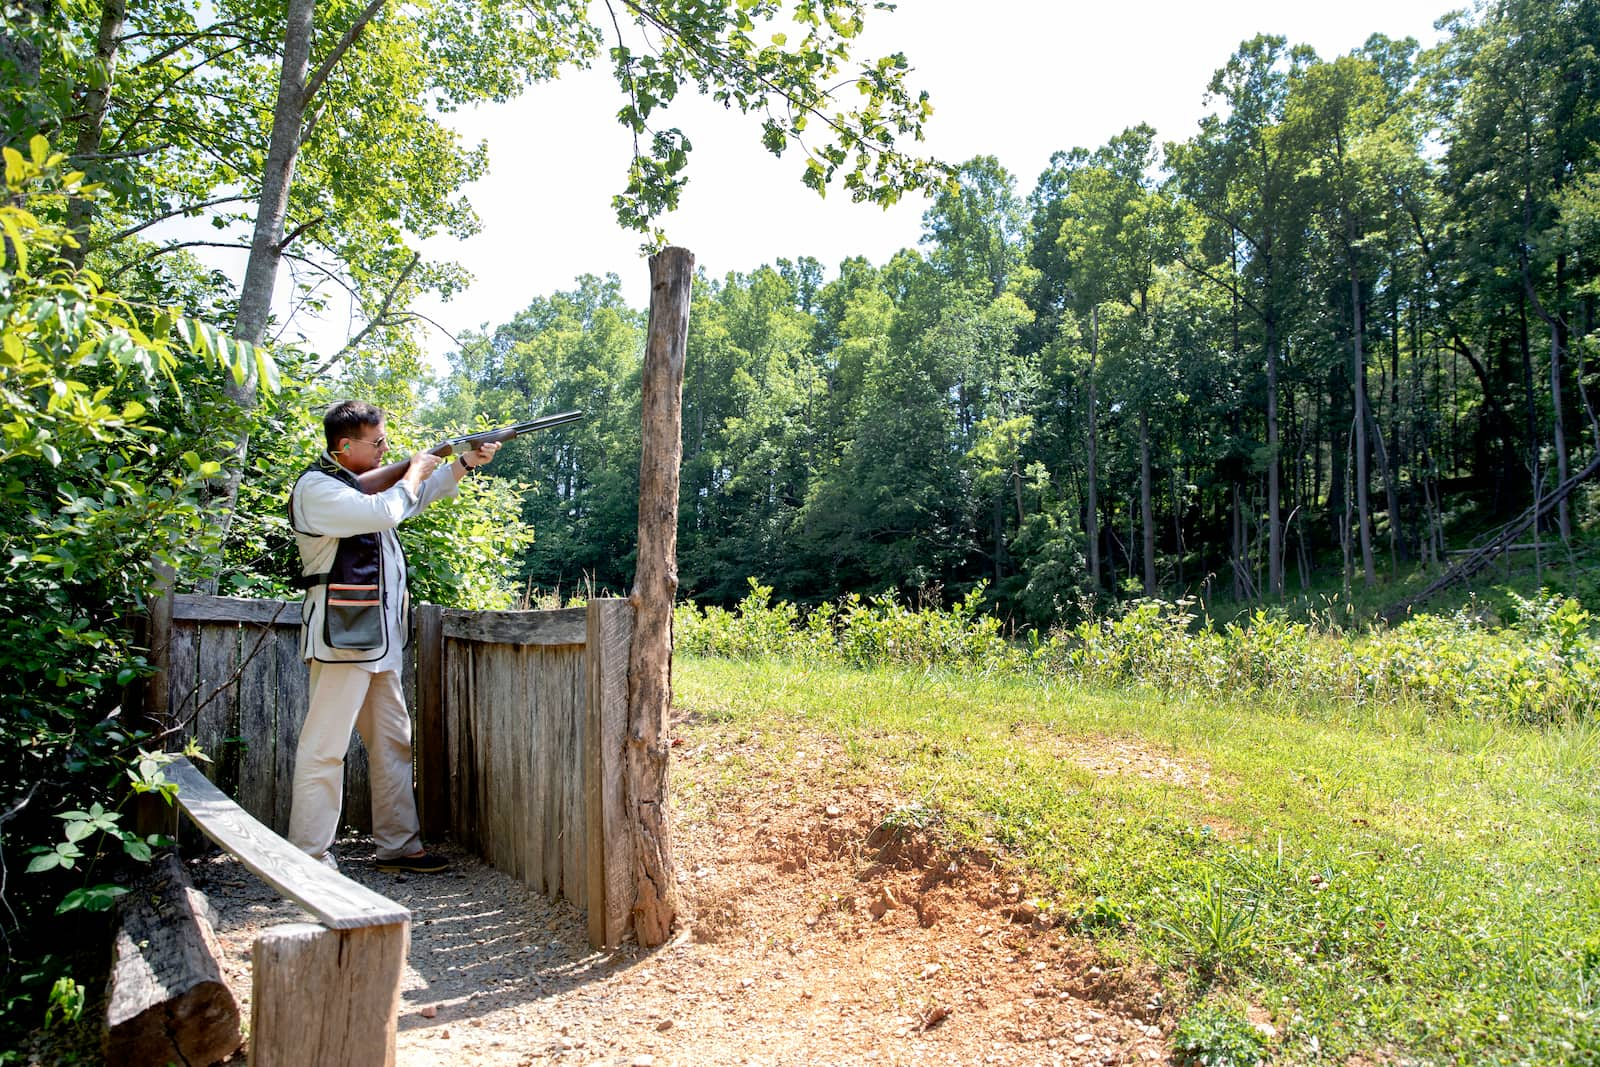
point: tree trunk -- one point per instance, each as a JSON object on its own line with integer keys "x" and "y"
{"x": 95, "y": 102}
{"x": 1147, "y": 505}
{"x": 655, "y": 587}
{"x": 1358, "y": 367}
{"x": 296, "y": 88}
{"x": 1091, "y": 521}
{"x": 266, "y": 243}
{"x": 1274, "y": 487}
{"x": 1559, "y": 428}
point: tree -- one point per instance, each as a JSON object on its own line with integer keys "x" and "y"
{"x": 1240, "y": 174}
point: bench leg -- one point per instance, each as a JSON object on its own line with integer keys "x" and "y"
{"x": 324, "y": 996}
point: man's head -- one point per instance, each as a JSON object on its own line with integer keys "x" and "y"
{"x": 354, "y": 429}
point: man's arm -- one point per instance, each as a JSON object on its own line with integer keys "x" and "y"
{"x": 330, "y": 508}
{"x": 381, "y": 478}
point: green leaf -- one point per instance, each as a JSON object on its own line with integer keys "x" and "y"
{"x": 91, "y": 898}
{"x": 48, "y": 860}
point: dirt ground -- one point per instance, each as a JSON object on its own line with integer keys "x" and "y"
{"x": 813, "y": 933}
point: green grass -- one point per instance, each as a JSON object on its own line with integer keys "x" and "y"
{"x": 1384, "y": 881}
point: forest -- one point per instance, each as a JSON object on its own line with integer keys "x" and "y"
{"x": 1342, "y": 330}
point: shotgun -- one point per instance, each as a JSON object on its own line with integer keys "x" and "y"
{"x": 505, "y": 433}
{"x": 376, "y": 481}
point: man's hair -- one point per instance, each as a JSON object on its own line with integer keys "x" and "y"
{"x": 346, "y": 418}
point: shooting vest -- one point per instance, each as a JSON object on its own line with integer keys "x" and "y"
{"x": 343, "y": 618}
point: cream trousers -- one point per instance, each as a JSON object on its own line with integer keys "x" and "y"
{"x": 345, "y": 696}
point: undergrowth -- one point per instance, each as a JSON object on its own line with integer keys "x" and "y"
{"x": 1541, "y": 666}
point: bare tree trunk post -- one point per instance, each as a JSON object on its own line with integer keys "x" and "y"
{"x": 655, "y": 587}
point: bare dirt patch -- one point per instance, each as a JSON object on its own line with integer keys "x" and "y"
{"x": 822, "y": 926}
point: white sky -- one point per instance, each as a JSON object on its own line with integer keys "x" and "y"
{"x": 1017, "y": 79}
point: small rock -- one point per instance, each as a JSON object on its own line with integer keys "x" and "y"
{"x": 746, "y": 983}
{"x": 1040, "y": 966}
{"x": 428, "y": 1011}
{"x": 1267, "y": 1030}
{"x": 832, "y": 811}
{"x": 644, "y": 1059}
{"x": 1083, "y": 1038}
{"x": 930, "y": 970}
{"x": 664, "y": 1025}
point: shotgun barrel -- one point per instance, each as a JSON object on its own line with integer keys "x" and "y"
{"x": 468, "y": 442}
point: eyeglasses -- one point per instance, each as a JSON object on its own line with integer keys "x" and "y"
{"x": 378, "y": 444}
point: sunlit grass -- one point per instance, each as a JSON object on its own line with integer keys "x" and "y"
{"x": 1378, "y": 877}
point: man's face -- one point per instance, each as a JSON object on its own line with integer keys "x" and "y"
{"x": 364, "y": 452}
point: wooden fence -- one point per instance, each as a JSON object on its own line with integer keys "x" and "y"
{"x": 520, "y": 726}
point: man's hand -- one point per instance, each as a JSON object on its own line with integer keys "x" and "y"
{"x": 480, "y": 455}
{"x": 417, "y": 470}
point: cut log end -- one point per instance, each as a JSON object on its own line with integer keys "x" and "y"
{"x": 167, "y": 1000}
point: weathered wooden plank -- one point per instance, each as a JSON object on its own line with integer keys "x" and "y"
{"x": 183, "y": 667}
{"x": 216, "y": 725}
{"x": 433, "y": 773}
{"x": 293, "y": 698}
{"x": 189, "y": 607}
{"x": 335, "y": 900}
{"x": 258, "y": 727}
{"x": 167, "y": 995}
{"x": 464, "y": 739}
{"x": 610, "y": 847}
{"x": 536, "y": 800}
{"x": 574, "y": 686}
{"x": 563, "y": 627}
{"x": 326, "y": 996}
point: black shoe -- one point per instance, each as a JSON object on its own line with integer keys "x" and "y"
{"x": 421, "y": 863}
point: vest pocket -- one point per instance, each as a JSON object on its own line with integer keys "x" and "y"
{"x": 355, "y": 617}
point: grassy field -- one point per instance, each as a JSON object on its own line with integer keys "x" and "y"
{"x": 1385, "y": 882}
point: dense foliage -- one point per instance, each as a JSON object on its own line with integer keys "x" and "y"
{"x": 1539, "y": 666}
{"x": 1343, "y": 329}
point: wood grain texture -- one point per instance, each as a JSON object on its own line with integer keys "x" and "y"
{"x": 258, "y": 733}
{"x": 189, "y": 607}
{"x": 326, "y": 996}
{"x": 183, "y": 685}
{"x": 167, "y": 998}
{"x": 563, "y": 627}
{"x": 608, "y": 840}
{"x": 216, "y": 724}
{"x": 433, "y": 775}
{"x": 655, "y": 588}
{"x": 335, "y": 900}
{"x": 293, "y": 698}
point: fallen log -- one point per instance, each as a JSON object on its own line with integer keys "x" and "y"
{"x": 167, "y": 1000}
{"x": 1502, "y": 542}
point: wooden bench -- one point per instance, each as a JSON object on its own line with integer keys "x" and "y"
{"x": 325, "y": 992}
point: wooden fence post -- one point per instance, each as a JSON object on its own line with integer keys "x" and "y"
{"x": 609, "y": 844}
{"x": 151, "y": 814}
{"x": 433, "y": 768}
{"x": 655, "y": 587}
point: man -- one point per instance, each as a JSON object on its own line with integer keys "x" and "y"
{"x": 344, "y": 509}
